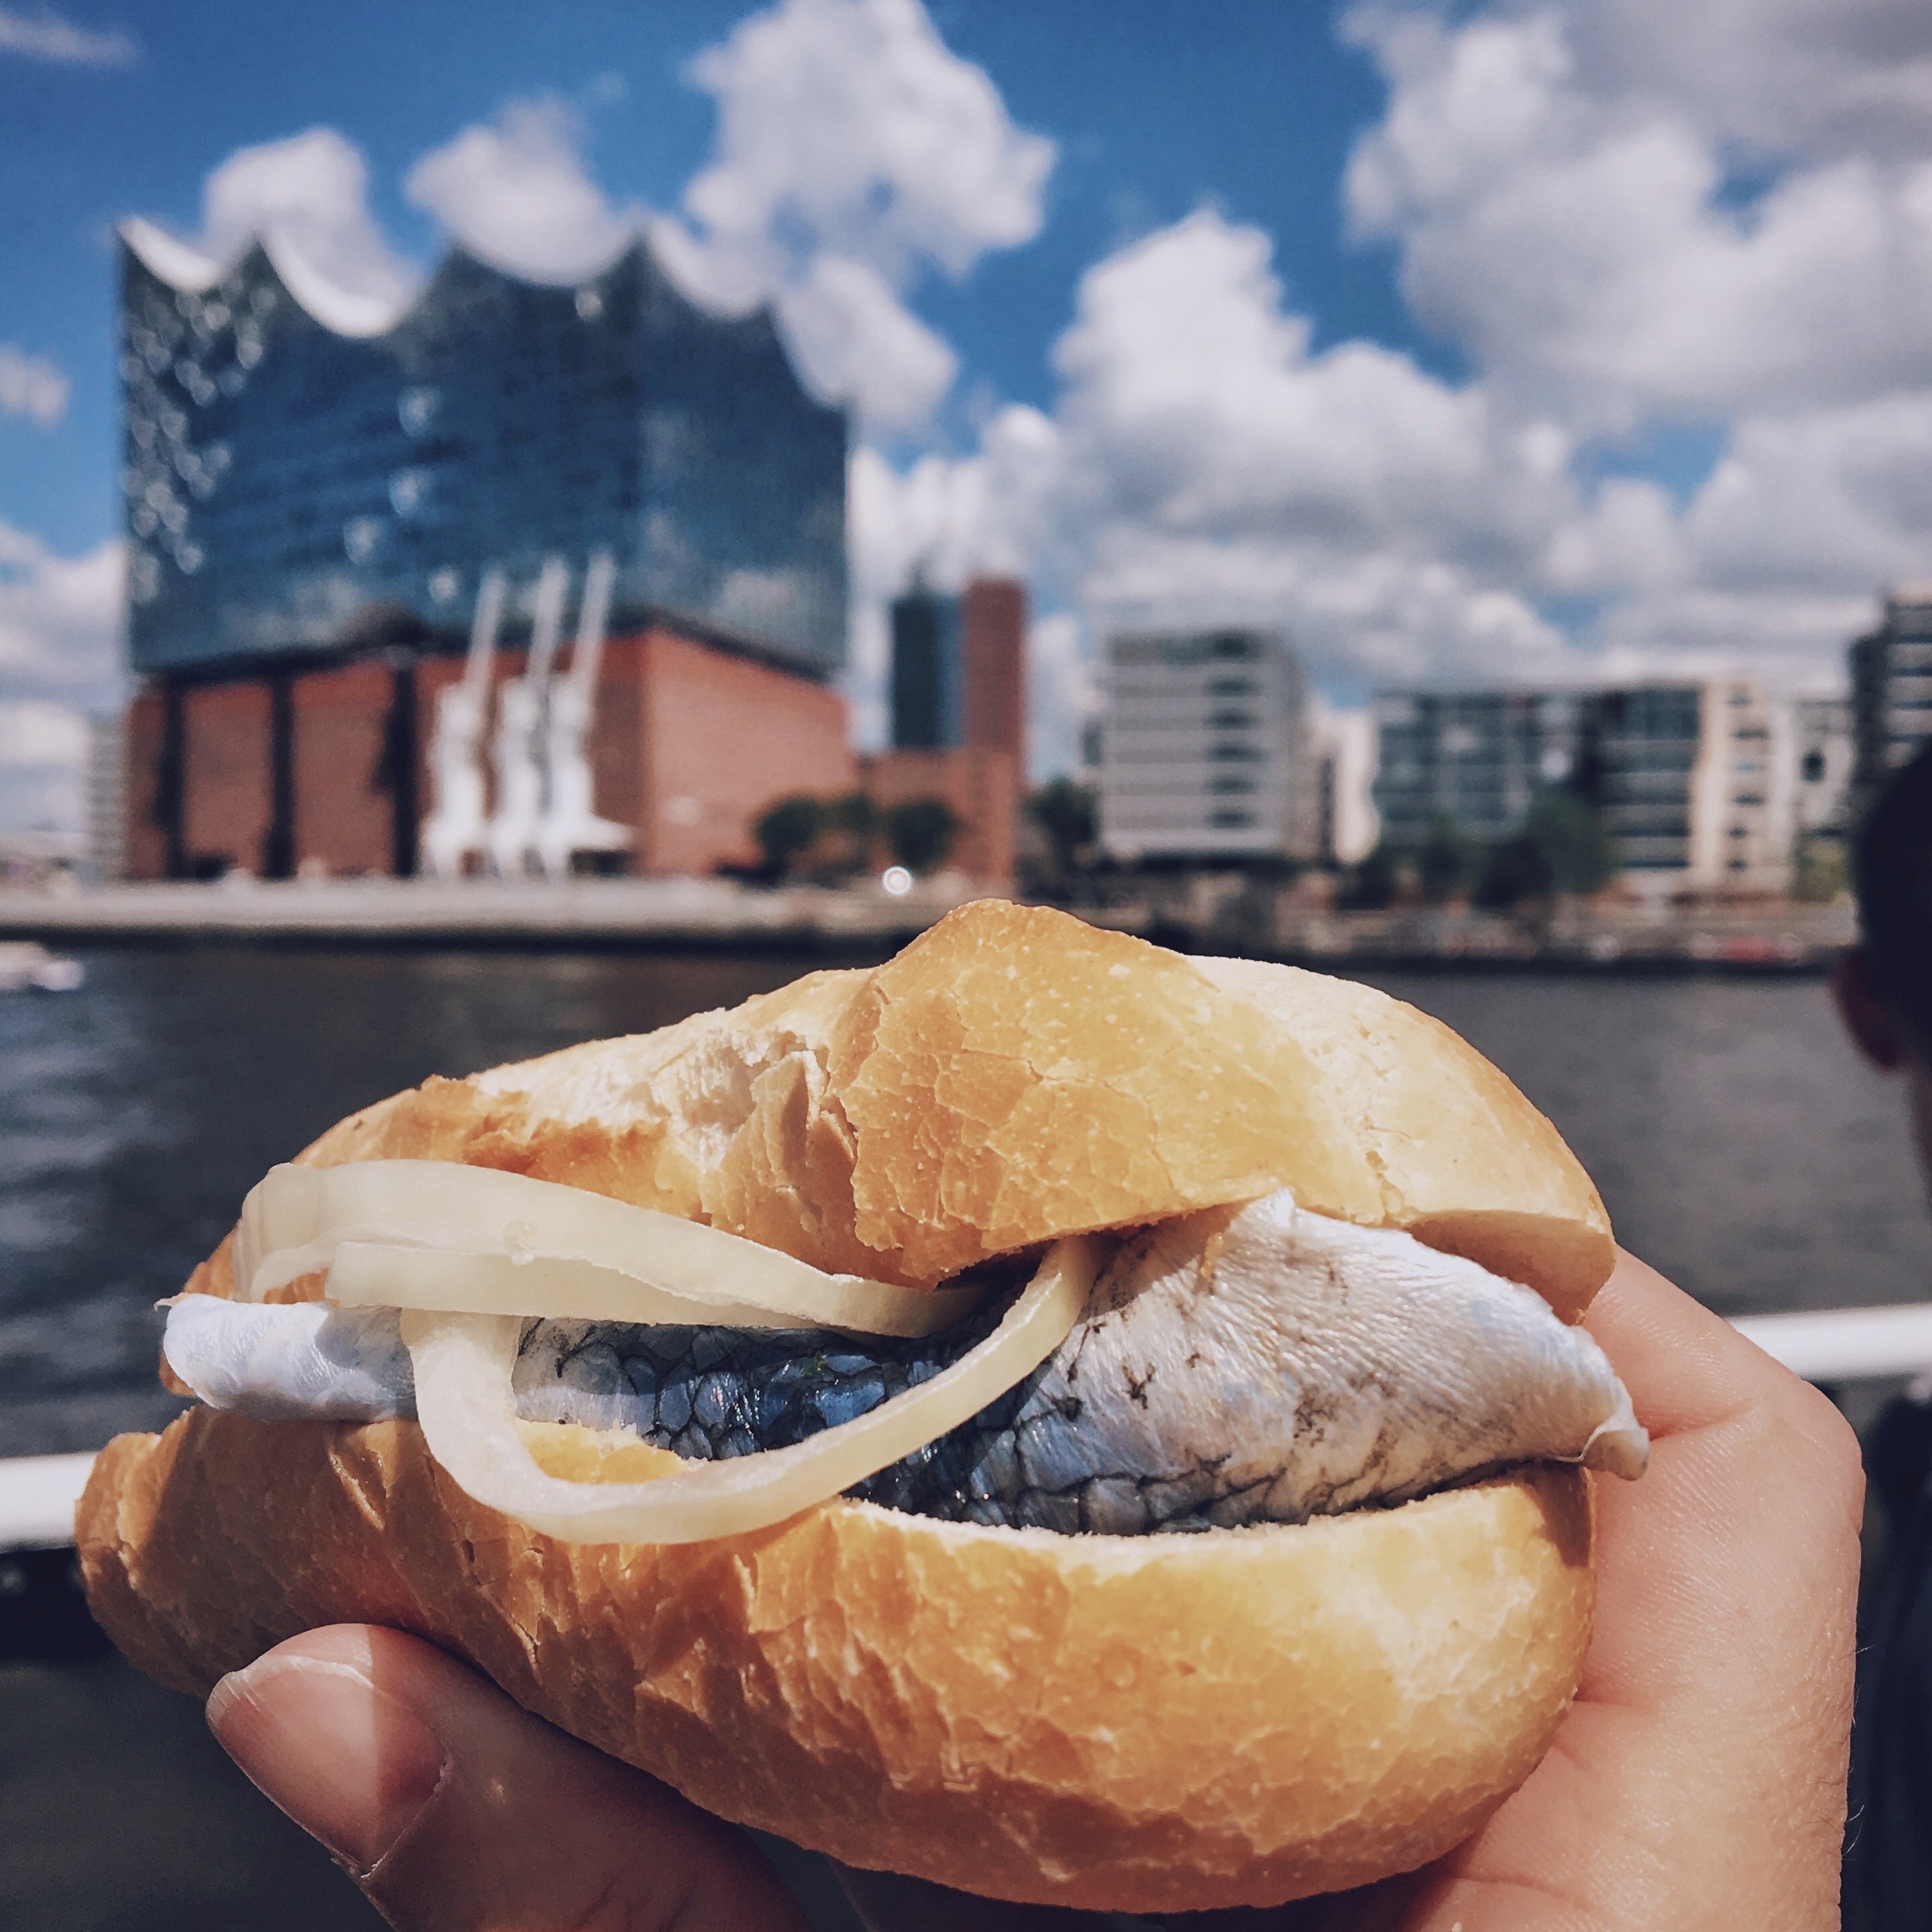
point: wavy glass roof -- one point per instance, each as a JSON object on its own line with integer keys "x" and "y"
{"x": 309, "y": 470}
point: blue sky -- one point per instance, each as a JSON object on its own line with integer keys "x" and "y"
{"x": 1156, "y": 107}
{"x": 1468, "y": 339}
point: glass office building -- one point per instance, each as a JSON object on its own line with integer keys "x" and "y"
{"x": 307, "y": 477}
{"x": 1891, "y": 690}
{"x": 1475, "y": 758}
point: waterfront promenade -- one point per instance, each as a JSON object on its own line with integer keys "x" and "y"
{"x": 865, "y": 921}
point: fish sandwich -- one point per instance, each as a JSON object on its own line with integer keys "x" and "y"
{"x": 1048, "y": 1416}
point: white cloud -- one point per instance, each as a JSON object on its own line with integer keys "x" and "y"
{"x": 851, "y": 124}
{"x": 309, "y": 194}
{"x": 60, "y": 621}
{"x": 44, "y": 749}
{"x": 43, "y": 35}
{"x": 31, "y": 386}
{"x": 854, "y": 152}
{"x": 854, "y": 339}
{"x": 1566, "y": 216}
{"x": 517, "y": 193}
{"x": 60, "y": 624}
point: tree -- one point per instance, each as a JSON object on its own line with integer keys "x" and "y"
{"x": 1516, "y": 869}
{"x": 922, "y": 832}
{"x": 787, "y": 830}
{"x": 1569, "y": 833}
{"x": 1066, "y": 812}
{"x": 1448, "y": 860}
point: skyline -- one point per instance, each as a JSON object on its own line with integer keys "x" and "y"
{"x": 1526, "y": 343}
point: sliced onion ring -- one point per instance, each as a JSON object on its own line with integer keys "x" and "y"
{"x": 296, "y": 1219}
{"x": 375, "y": 1274}
{"x": 463, "y": 1365}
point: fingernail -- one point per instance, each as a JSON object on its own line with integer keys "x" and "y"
{"x": 351, "y": 1765}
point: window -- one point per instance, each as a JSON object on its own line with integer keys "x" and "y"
{"x": 1230, "y": 821}
{"x": 1811, "y": 768}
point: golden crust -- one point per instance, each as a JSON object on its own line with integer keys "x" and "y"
{"x": 1015, "y": 1074}
{"x": 1152, "y": 1724}
{"x": 1149, "y": 1724}
{"x": 1463, "y": 1161}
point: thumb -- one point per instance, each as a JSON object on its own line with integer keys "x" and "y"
{"x": 457, "y": 1811}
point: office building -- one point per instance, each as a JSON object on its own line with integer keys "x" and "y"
{"x": 1475, "y": 759}
{"x": 926, "y": 671}
{"x": 992, "y": 646}
{"x": 958, "y": 716}
{"x": 1822, "y": 753}
{"x": 1891, "y": 690}
{"x": 1207, "y": 751}
{"x": 318, "y": 494}
{"x": 1696, "y": 783}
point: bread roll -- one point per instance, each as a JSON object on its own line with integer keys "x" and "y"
{"x": 1157, "y": 1723}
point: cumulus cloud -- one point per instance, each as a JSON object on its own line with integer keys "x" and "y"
{"x": 60, "y": 621}
{"x": 31, "y": 387}
{"x": 516, "y": 192}
{"x": 850, "y": 126}
{"x": 309, "y": 193}
{"x": 44, "y": 36}
{"x": 60, "y": 624}
{"x": 44, "y": 750}
{"x": 855, "y": 152}
{"x": 1571, "y": 220}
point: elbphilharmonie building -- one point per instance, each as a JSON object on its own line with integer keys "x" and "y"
{"x": 328, "y": 497}
{"x": 304, "y": 470}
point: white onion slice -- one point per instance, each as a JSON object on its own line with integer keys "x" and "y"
{"x": 463, "y": 1365}
{"x": 296, "y": 1219}
{"x": 371, "y": 1274}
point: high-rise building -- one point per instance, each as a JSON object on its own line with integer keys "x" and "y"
{"x": 959, "y": 715}
{"x": 1476, "y": 759}
{"x": 1207, "y": 751}
{"x": 992, "y": 646}
{"x": 926, "y": 703}
{"x": 1891, "y": 690}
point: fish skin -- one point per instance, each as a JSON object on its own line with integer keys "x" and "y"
{"x": 1255, "y": 1364}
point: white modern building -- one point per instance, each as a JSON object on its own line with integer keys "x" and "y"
{"x": 1208, "y": 750}
{"x": 1696, "y": 783}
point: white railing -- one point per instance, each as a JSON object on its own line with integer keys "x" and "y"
{"x": 38, "y": 1493}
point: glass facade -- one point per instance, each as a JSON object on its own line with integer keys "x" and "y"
{"x": 292, "y": 491}
{"x": 927, "y": 703}
{"x": 1476, "y": 758}
{"x": 1891, "y": 690}
{"x": 1642, "y": 751}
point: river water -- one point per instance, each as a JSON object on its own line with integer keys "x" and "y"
{"x": 1741, "y": 1146}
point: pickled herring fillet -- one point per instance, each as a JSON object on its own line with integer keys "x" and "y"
{"x": 1249, "y": 1365}
{"x": 1242, "y": 1365}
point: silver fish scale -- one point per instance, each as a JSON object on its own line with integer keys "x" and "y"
{"x": 1249, "y": 1365}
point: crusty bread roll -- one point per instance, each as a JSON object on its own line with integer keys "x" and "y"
{"x": 1157, "y": 1723}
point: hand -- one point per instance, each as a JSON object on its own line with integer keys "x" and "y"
{"x": 1698, "y": 1782}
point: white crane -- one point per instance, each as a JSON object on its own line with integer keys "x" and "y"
{"x": 570, "y": 823}
{"x": 458, "y": 826}
{"x": 521, "y": 746}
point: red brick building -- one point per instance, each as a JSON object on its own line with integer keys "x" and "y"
{"x": 326, "y": 769}
{"x": 981, "y": 777}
